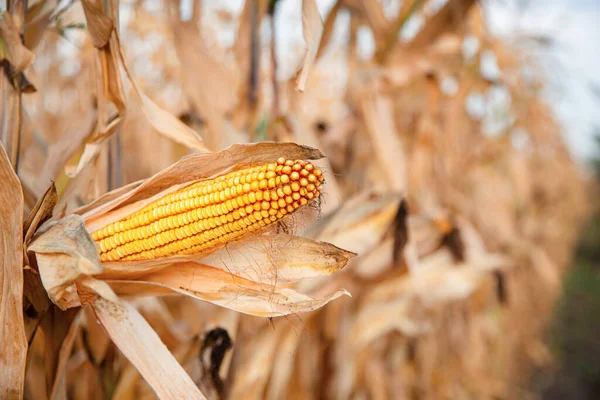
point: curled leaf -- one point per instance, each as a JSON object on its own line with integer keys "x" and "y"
{"x": 312, "y": 30}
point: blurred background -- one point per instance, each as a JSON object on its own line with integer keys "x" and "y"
{"x": 463, "y": 159}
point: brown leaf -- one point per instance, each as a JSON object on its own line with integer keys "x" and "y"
{"x": 41, "y": 212}
{"x": 35, "y": 29}
{"x": 389, "y": 148}
{"x": 144, "y": 349}
{"x": 18, "y": 55}
{"x": 100, "y": 25}
{"x": 13, "y": 351}
{"x": 208, "y": 84}
{"x": 400, "y": 233}
{"x": 164, "y": 122}
{"x": 18, "y": 80}
{"x": 312, "y": 29}
{"x": 450, "y": 17}
{"x": 59, "y": 390}
{"x": 328, "y": 27}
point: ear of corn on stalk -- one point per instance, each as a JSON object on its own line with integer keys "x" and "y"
{"x": 209, "y": 212}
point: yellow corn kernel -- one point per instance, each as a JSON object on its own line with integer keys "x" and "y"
{"x": 211, "y": 212}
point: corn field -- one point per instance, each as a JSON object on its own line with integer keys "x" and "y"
{"x": 190, "y": 210}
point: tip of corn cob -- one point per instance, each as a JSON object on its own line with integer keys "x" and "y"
{"x": 211, "y": 212}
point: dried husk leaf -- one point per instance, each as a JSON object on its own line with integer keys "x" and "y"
{"x": 274, "y": 258}
{"x": 19, "y": 56}
{"x": 97, "y": 340}
{"x": 65, "y": 253}
{"x": 41, "y": 212}
{"x": 259, "y": 351}
{"x": 312, "y": 30}
{"x": 13, "y": 351}
{"x": 223, "y": 289}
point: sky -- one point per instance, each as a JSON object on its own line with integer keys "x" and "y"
{"x": 571, "y": 63}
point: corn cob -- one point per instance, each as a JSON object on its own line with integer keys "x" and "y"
{"x": 206, "y": 213}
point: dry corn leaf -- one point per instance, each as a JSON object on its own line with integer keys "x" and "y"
{"x": 249, "y": 383}
{"x": 450, "y": 16}
{"x": 378, "y": 114}
{"x": 209, "y": 85}
{"x": 59, "y": 389}
{"x": 161, "y": 120}
{"x": 13, "y": 351}
{"x": 99, "y": 24}
{"x": 19, "y": 56}
{"x": 144, "y": 349}
{"x": 328, "y": 28}
{"x": 41, "y": 212}
{"x": 109, "y": 88}
{"x": 312, "y": 30}
{"x": 36, "y": 27}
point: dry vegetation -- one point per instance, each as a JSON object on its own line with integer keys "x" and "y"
{"x": 450, "y": 202}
